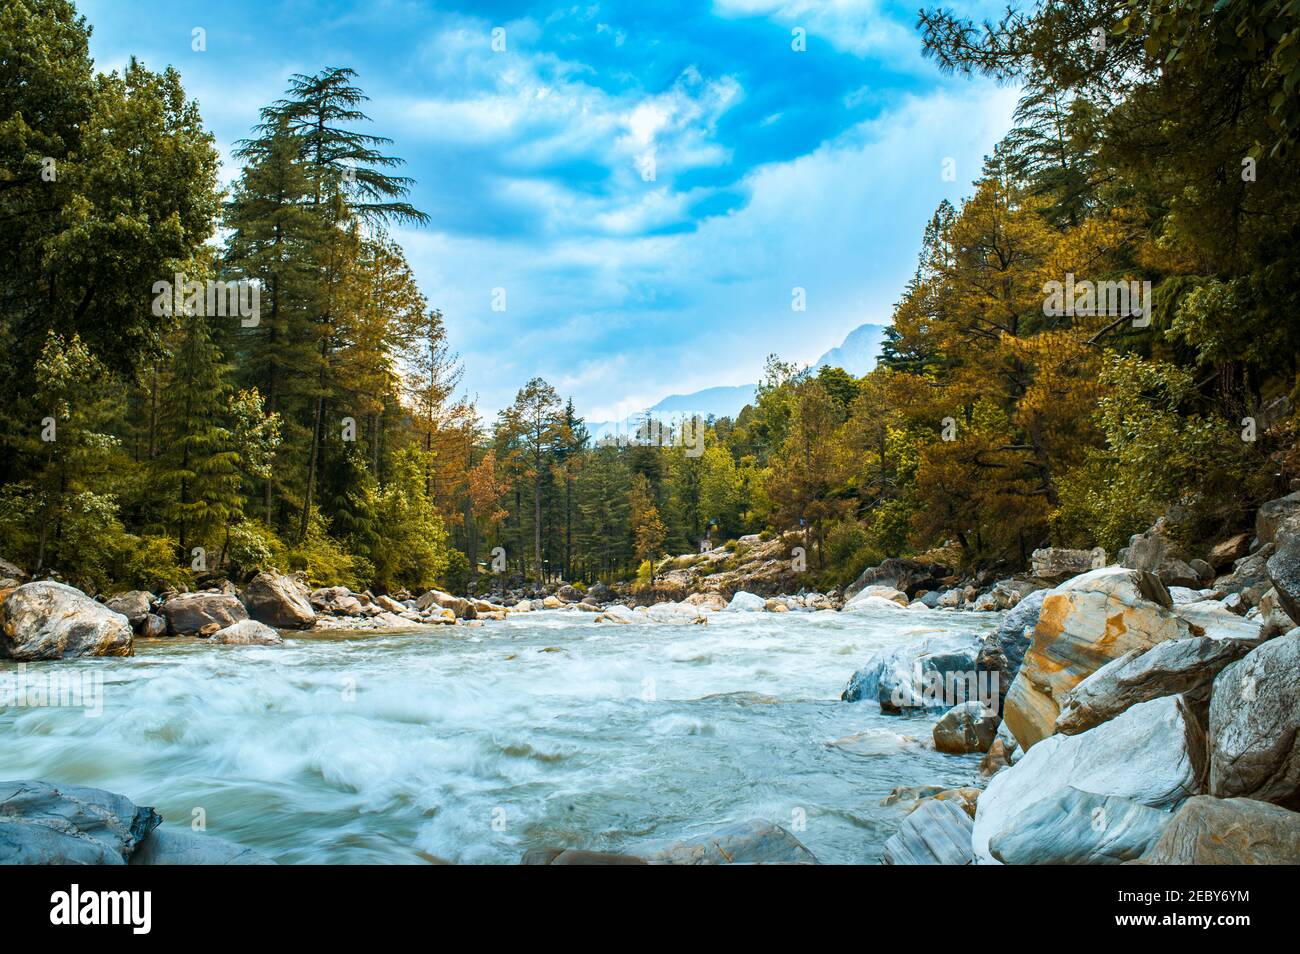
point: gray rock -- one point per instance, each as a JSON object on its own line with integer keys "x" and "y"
{"x": 1283, "y": 569}
{"x": 188, "y": 613}
{"x": 1273, "y": 514}
{"x": 1016, "y": 632}
{"x": 9, "y": 571}
{"x": 153, "y": 627}
{"x": 1186, "y": 666}
{"x": 1254, "y": 731}
{"x": 69, "y": 824}
{"x": 1228, "y": 831}
{"x": 337, "y": 600}
{"x": 936, "y": 833}
{"x": 1075, "y": 827}
{"x": 247, "y": 632}
{"x": 47, "y": 620}
{"x": 898, "y": 678}
{"x": 275, "y": 599}
{"x": 1152, "y": 551}
{"x": 171, "y": 847}
{"x": 1153, "y": 754}
{"x": 902, "y": 574}
{"x": 1273, "y": 619}
{"x": 1216, "y": 620}
{"x": 967, "y": 727}
{"x": 1058, "y": 563}
{"x": 135, "y": 606}
{"x": 755, "y": 841}
{"x": 601, "y": 593}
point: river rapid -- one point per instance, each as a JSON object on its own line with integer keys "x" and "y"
{"x": 471, "y": 745}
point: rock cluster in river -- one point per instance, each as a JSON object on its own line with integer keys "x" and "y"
{"x": 1153, "y": 715}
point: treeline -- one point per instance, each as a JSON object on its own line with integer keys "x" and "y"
{"x": 148, "y": 441}
{"x": 155, "y": 432}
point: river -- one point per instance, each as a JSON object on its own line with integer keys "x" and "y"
{"x": 470, "y": 745}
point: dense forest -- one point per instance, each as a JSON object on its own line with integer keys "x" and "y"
{"x": 153, "y": 436}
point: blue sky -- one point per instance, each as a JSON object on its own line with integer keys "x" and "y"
{"x": 648, "y": 181}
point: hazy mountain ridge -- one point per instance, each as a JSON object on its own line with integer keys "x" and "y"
{"x": 857, "y": 355}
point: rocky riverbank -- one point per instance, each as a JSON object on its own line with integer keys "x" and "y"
{"x": 1138, "y": 720}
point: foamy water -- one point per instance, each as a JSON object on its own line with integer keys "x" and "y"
{"x": 473, "y": 744}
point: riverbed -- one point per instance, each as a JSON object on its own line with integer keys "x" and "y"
{"x": 471, "y": 745}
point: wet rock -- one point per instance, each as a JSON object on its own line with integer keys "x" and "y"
{"x": 135, "y": 606}
{"x": 1283, "y": 569}
{"x": 746, "y": 602}
{"x": 883, "y": 592}
{"x": 47, "y": 824}
{"x": 275, "y": 599}
{"x": 676, "y": 613}
{"x": 872, "y": 604}
{"x": 968, "y": 727}
{"x": 247, "y": 632}
{"x": 910, "y": 797}
{"x": 1075, "y": 827}
{"x": 1228, "y": 831}
{"x": 1254, "y": 725}
{"x": 1153, "y": 754}
{"x": 169, "y": 847}
{"x": 1084, "y": 624}
{"x": 1186, "y": 666}
{"x": 1016, "y": 632}
{"x": 1059, "y": 563}
{"x": 188, "y": 613}
{"x": 153, "y": 627}
{"x": 936, "y": 833}
{"x": 997, "y": 757}
{"x": 755, "y": 841}
{"x": 616, "y": 613}
{"x": 931, "y": 672}
{"x": 46, "y": 620}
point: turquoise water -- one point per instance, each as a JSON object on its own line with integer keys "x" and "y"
{"x": 472, "y": 744}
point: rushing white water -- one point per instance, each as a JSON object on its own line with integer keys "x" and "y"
{"x": 473, "y": 744}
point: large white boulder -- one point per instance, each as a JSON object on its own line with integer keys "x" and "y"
{"x": 747, "y": 602}
{"x": 1153, "y": 754}
{"x": 47, "y": 620}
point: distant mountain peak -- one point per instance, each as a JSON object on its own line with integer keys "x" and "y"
{"x": 857, "y": 355}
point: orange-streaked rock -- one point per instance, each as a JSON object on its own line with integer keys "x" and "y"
{"x": 1084, "y": 624}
